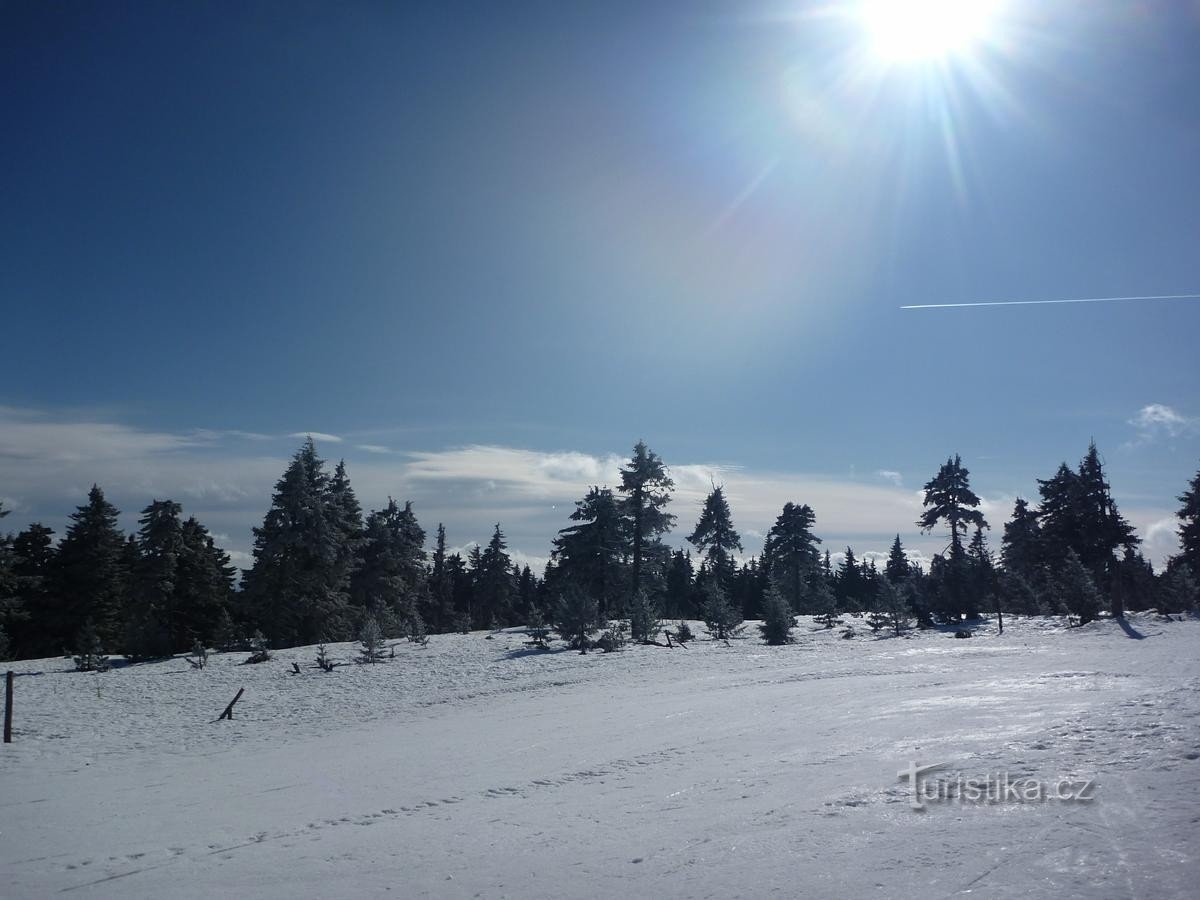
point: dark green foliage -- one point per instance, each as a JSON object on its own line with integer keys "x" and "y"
{"x": 1189, "y": 524}
{"x": 851, "y": 588}
{"x": 576, "y": 617}
{"x": 647, "y": 489}
{"x": 778, "y": 619}
{"x": 683, "y": 632}
{"x": 715, "y": 537}
{"x": 89, "y": 650}
{"x": 538, "y": 630}
{"x": 891, "y": 606}
{"x": 370, "y": 640}
{"x": 1077, "y": 514}
{"x": 91, "y": 574}
{"x": 949, "y": 499}
{"x": 790, "y": 553}
{"x": 417, "y": 632}
{"x": 1021, "y": 547}
{"x": 897, "y": 568}
{"x": 679, "y": 587}
{"x": 591, "y": 553}
{"x": 298, "y": 587}
{"x": 31, "y": 615}
{"x": 389, "y": 583}
{"x": 1178, "y": 589}
{"x": 612, "y": 638}
{"x": 644, "y": 621}
{"x": 1075, "y": 590}
{"x": 227, "y": 636}
{"x": 721, "y": 617}
{"x": 441, "y": 586}
{"x": 495, "y": 585}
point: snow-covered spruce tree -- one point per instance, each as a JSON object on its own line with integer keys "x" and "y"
{"x": 644, "y": 622}
{"x": 537, "y": 629}
{"x": 591, "y": 553}
{"x": 91, "y": 573}
{"x": 228, "y": 636}
{"x": 1189, "y": 524}
{"x": 576, "y": 617}
{"x": 778, "y": 619}
{"x": 613, "y": 637}
{"x": 1075, "y": 589}
{"x": 647, "y": 489}
{"x": 891, "y": 607}
{"x": 790, "y": 552}
{"x": 260, "y": 650}
{"x": 298, "y": 587}
{"x": 323, "y": 661}
{"x": 715, "y": 537}
{"x": 1178, "y": 589}
{"x": 721, "y": 618}
{"x": 417, "y": 633}
{"x": 370, "y": 641}
{"x": 683, "y": 632}
{"x": 89, "y": 650}
{"x": 949, "y": 499}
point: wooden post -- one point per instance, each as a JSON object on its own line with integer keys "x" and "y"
{"x": 8, "y": 686}
{"x": 228, "y": 714}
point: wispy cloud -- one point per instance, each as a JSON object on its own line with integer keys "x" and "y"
{"x": 47, "y": 465}
{"x": 316, "y": 436}
{"x": 888, "y": 475}
{"x": 1157, "y": 420}
{"x": 374, "y": 448}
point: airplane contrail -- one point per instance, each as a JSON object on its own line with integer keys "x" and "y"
{"x": 1037, "y": 302}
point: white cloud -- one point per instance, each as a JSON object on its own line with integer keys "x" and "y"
{"x": 374, "y": 448}
{"x": 47, "y": 466}
{"x": 316, "y": 436}
{"x": 1157, "y": 420}
{"x": 889, "y": 475}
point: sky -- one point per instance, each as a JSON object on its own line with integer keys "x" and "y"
{"x": 479, "y": 250}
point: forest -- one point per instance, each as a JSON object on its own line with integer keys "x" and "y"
{"x": 324, "y": 571}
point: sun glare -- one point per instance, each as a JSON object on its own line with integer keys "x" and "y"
{"x": 914, "y": 30}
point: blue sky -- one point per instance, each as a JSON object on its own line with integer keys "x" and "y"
{"x": 549, "y": 229}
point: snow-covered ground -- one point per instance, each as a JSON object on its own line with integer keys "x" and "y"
{"x": 476, "y": 768}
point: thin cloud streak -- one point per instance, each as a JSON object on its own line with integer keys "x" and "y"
{"x": 1043, "y": 302}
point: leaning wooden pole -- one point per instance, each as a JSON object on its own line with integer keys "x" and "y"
{"x": 8, "y": 688}
{"x": 228, "y": 714}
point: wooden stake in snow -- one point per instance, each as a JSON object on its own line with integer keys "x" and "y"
{"x": 228, "y": 714}
{"x": 8, "y": 684}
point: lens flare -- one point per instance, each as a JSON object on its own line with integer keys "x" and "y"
{"x": 901, "y": 31}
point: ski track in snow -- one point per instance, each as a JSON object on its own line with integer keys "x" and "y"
{"x": 475, "y": 768}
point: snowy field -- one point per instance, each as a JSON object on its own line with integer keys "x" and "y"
{"x": 475, "y": 768}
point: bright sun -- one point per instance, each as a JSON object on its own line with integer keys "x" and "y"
{"x": 914, "y": 30}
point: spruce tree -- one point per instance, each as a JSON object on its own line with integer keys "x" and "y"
{"x": 204, "y": 588}
{"x": 1020, "y": 548}
{"x": 715, "y": 537}
{"x": 790, "y": 552}
{"x": 778, "y": 618}
{"x": 298, "y": 586}
{"x": 850, "y": 585}
{"x": 1075, "y": 589}
{"x": 36, "y": 615}
{"x": 576, "y": 617}
{"x": 1189, "y": 524}
{"x": 495, "y": 585}
{"x": 389, "y": 582}
{"x": 721, "y": 617}
{"x": 153, "y": 602}
{"x": 679, "y": 588}
{"x": 644, "y": 621}
{"x": 91, "y": 573}
{"x": 441, "y": 586}
{"x": 897, "y": 568}
{"x": 647, "y": 488}
{"x": 949, "y": 499}
{"x": 591, "y": 554}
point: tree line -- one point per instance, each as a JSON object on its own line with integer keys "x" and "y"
{"x": 324, "y": 571}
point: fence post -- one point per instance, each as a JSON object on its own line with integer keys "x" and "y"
{"x": 8, "y": 686}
